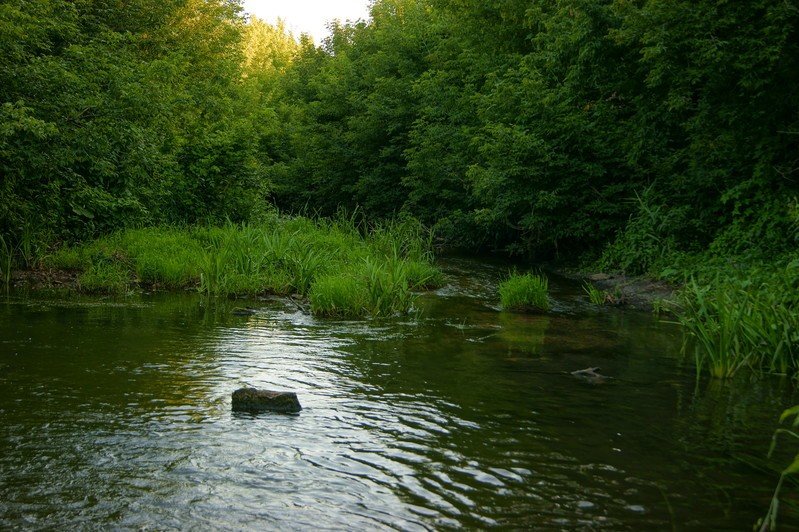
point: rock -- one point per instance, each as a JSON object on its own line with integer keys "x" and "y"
{"x": 253, "y": 400}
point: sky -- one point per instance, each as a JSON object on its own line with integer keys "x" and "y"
{"x": 308, "y": 16}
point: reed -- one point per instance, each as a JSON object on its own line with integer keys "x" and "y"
{"x": 423, "y": 275}
{"x": 734, "y": 323}
{"x": 524, "y": 292}
{"x": 305, "y": 264}
{"x": 595, "y": 295}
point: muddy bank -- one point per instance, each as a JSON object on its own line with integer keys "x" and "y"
{"x": 635, "y": 292}
{"x": 638, "y": 293}
{"x": 45, "y": 279}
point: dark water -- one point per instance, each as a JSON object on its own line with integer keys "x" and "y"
{"x": 116, "y": 415}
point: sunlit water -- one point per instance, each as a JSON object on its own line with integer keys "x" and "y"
{"x": 117, "y": 415}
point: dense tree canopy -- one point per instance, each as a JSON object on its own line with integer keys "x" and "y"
{"x": 640, "y": 129}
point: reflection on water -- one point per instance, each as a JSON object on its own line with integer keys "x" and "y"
{"x": 118, "y": 416}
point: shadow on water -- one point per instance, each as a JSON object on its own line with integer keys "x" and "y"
{"x": 117, "y": 415}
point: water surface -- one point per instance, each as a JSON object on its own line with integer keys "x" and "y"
{"x": 116, "y": 414}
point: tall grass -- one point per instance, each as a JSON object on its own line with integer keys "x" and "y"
{"x": 524, "y": 292}
{"x": 595, "y": 295}
{"x": 734, "y": 323}
{"x": 339, "y": 296}
{"x": 341, "y": 270}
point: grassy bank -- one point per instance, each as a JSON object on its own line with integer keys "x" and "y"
{"x": 345, "y": 269}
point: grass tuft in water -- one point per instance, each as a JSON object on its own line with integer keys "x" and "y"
{"x": 595, "y": 295}
{"x": 339, "y": 296}
{"x": 526, "y": 293}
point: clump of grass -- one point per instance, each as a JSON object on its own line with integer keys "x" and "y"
{"x": 339, "y": 296}
{"x": 525, "y": 292}
{"x": 423, "y": 275}
{"x": 595, "y": 295}
{"x": 388, "y": 291}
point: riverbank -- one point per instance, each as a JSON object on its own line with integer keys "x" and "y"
{"x": 637, "y": 292}
{"x": 341, "y": 269}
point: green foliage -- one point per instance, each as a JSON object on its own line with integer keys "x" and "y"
{"x": 522, "y": 126}
{"x": 524, "y": 292}
{"x": 387, "y": 286}
{"x": 646, "y": 244}
{"x": 115, "y": 116}
{"x": 6, "y": 260}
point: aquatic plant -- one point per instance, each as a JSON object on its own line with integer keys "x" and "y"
{"x": 305, "y": 263}
{"x": 386, "y": 286}
{"x": 527, "y": 292}
{"x": 595, "y": 295}
{"x": 735, "y": 323}
{"x": 422, "y": 275}
{"x": 339, "y": 296}
{"x": 769, "y": 522}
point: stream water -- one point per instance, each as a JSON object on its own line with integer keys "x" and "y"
{"x": 116, "y": 415}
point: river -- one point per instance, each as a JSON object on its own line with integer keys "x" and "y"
{"x": 116, "y": 414}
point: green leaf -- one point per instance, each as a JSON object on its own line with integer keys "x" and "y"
{"x": 80, "y": 211}
{"x": 794, "y": 411}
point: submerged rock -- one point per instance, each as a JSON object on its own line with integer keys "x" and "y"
{"x": 590, "y": 375}
{"x": 254, "y": 400}
{"x": 243, "y": 311}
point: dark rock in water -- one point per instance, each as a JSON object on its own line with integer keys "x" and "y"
{"x": 243, "y": 311}
{"x": 590, "y": 375}
{"x": 253, "y": 400}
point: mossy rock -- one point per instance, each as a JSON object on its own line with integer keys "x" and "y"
{"x": 254, "y": 400}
